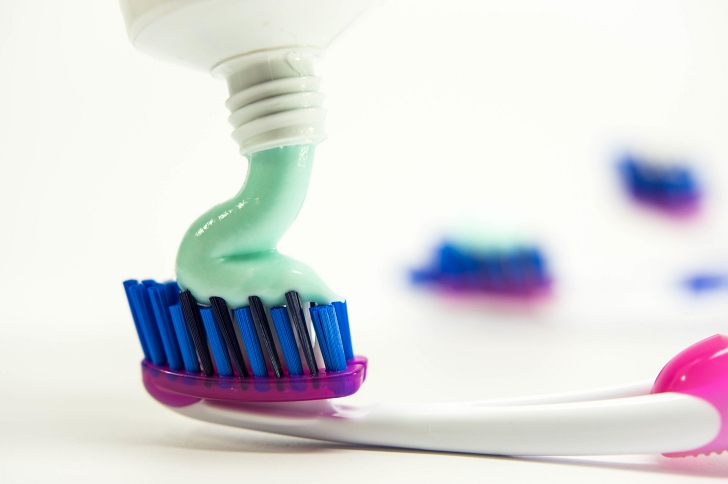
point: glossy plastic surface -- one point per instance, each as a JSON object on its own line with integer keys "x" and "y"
{"x": 702, "y": 371}
{"x": 179, "y": 388}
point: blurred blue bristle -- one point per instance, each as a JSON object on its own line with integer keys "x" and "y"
{"x": 217, "y": 345}
{"x": 135, "y": 316}
{"x": 516, "y": 270}
{"x": 148, "y": 323}
{"x": 342, "y": 317}
{"x": 289, "y": 348}
{"x": 158, "y": 297}
{"x": 327, "y": 331}
{"x": 250, "y": 340}
{"x": 187, "y": 347}
{"x": 662, "y": 186}
{"x": 706, "y": 282}
{"x": 169, "y": 321}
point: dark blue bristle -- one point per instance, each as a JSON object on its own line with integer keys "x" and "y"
{"x": 225, "y": 325}
{"x": 295, "y": 311}
{"x": 264, "y": 334}
{"x": 250, "y": 340}
{"x": 288, "y": 341}
{"x": 148, "y": 323}
{"x": 158, "y": 297}
{"x": 217, "y": 344}
{"x": 193, "y": 320}
{"x": 186, "y": 346}
{"x": 327, "y": 331}
{"x": 134, "y": 316}
{"x": 342, "y": 317}
{"x": 172, "y": 292}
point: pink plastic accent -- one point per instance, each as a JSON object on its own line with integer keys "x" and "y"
{"x": 702, "y": 371}
{"x": 179, "y": 388}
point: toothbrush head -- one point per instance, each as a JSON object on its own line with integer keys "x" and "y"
{"x": 701, "y": 370}
{"x": 193, "y": 352}
{"x": 670, "y": 189}
{"x": 514, "y": 271}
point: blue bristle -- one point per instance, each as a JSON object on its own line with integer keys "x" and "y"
{"x": 186, "y": 346}
{"x": 329, "y": 337}
{"x": 250, "y": 340}
{"x": 288, "y": 342}
{"x": 494, "y": 268}
{"x": 172, "y": 292}
{"x": 217, "y": 345}
{"x": 148, "y": 323}
{"x": 135, "y": 316}
{"x": 706, "y": 282}
{"x": 158, "y": 297}
{"x": 535, "y": 263}
{"x": 514, "y": 269}
{"x": 658, "y": 184}
{"x": 316, "y": 320}
{"x": 342, "y": 316}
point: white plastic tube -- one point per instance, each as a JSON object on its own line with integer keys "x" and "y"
{"x": 264, "y": 49}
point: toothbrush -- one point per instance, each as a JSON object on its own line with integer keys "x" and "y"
{"x": 514, "y": 271}
{"x": 197, "y": 364}
{"x": 672, "y": 189}
{"x": 684, "y": 412}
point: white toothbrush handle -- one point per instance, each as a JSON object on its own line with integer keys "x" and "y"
{"x": 660, "y": 423}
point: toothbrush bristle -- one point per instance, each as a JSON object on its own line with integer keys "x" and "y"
{"x": 264, "y": 333}
{"x": 299, "y": 322}
{"x": 517, "y": 271}
{"x": 202, "y": 349}
{"x": 671, "y": 188}
{"x": 191, "y": 313}
{"x": 225, "y": 324}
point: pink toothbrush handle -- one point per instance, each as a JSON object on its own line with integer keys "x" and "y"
{"x": 701, "y": 371}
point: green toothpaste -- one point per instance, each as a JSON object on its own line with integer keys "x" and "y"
{"x": 230, "y": 251}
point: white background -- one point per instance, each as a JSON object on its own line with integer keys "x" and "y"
{"x": 438, "y": 111}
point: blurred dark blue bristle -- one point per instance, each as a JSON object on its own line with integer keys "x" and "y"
{"x": 668, "y": 187}
{"x": 174, "y": 330}
{"x": 517, "y": 271}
